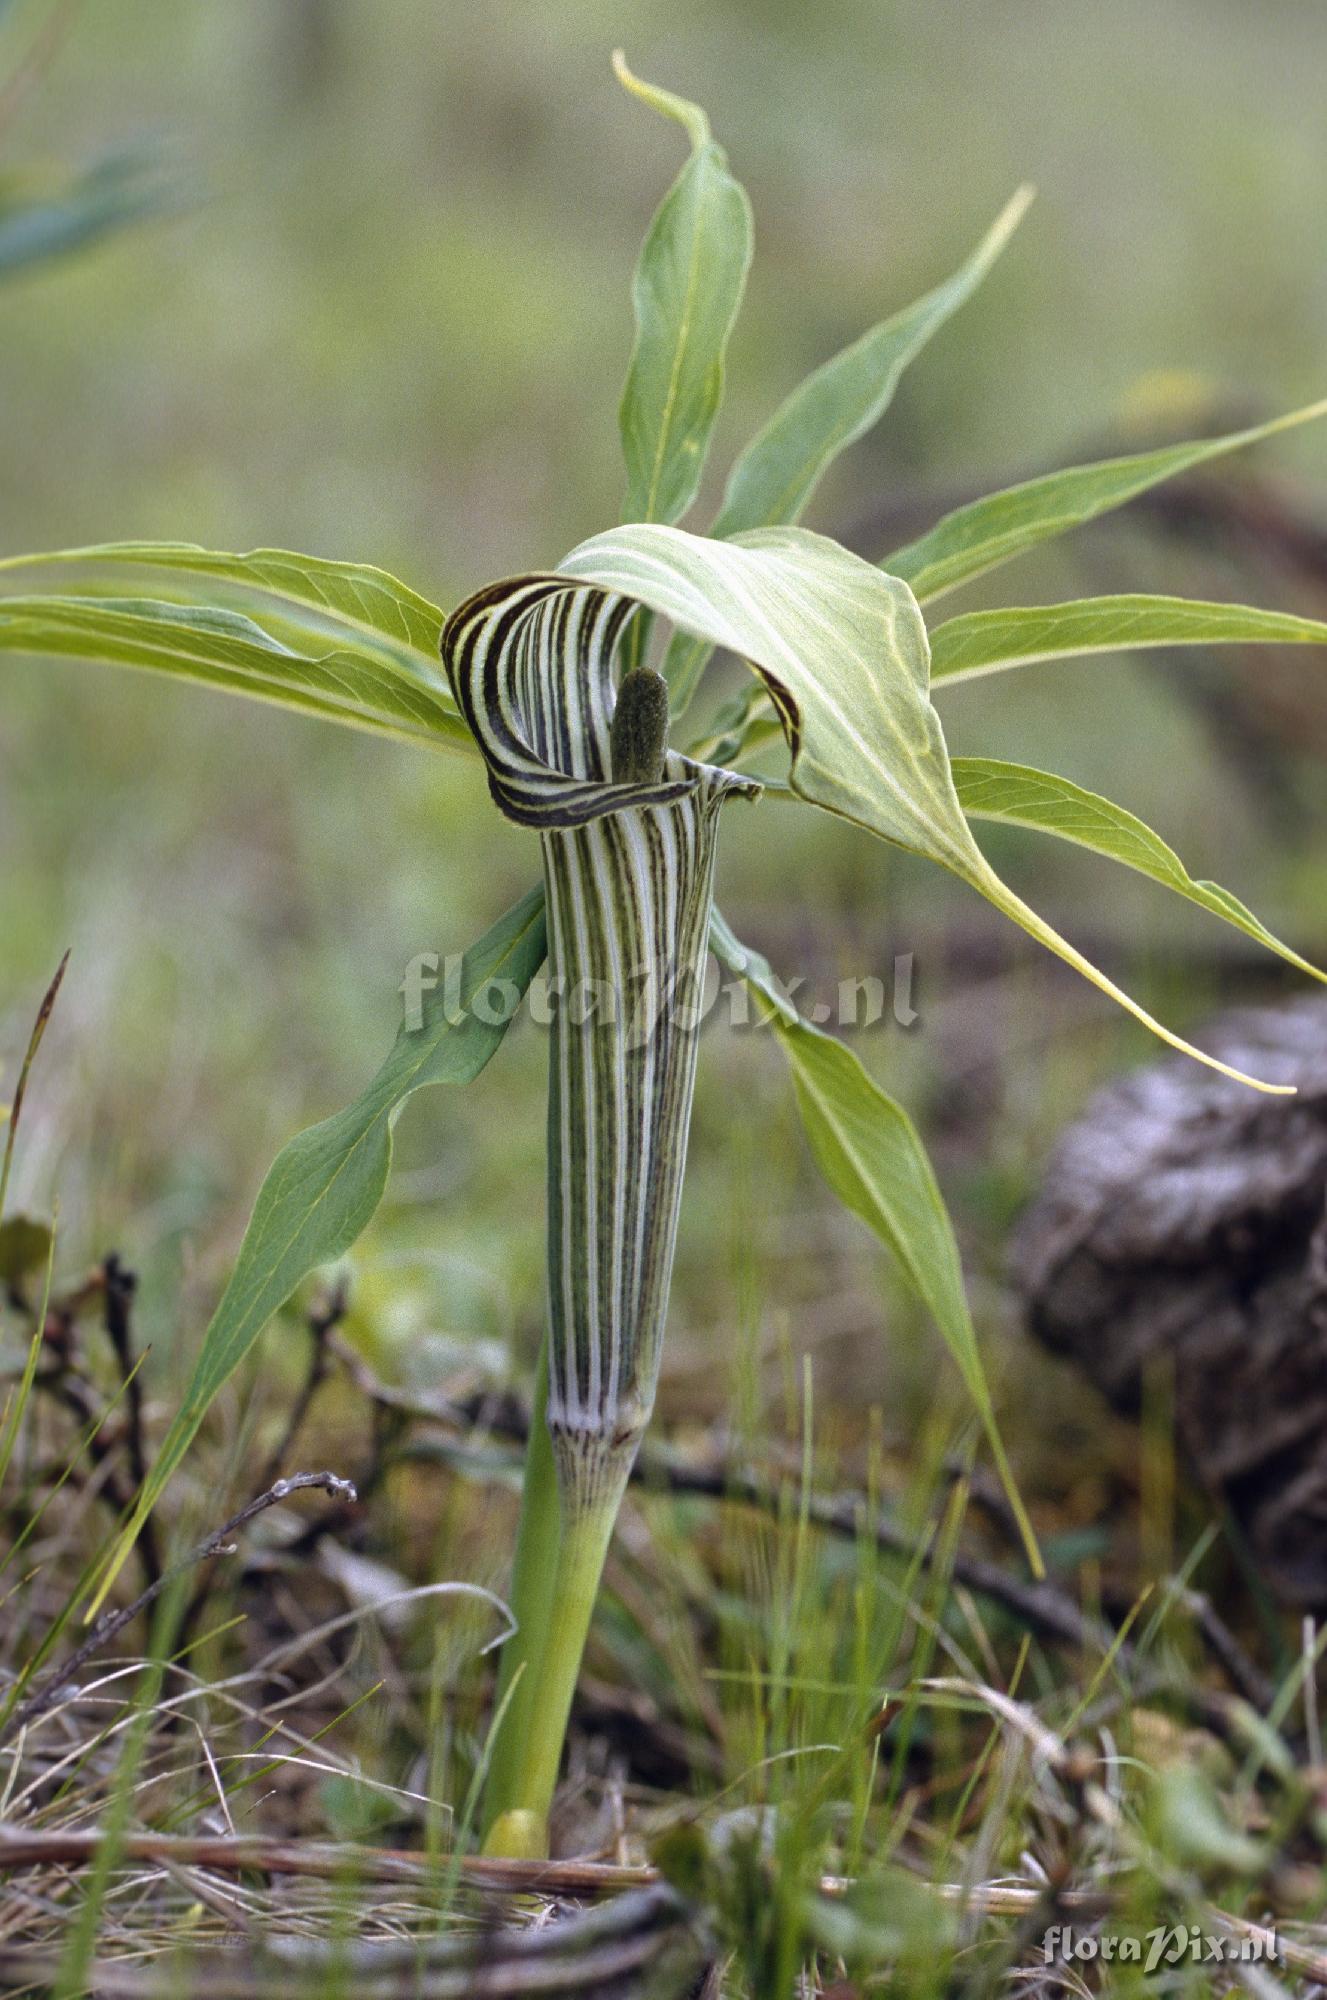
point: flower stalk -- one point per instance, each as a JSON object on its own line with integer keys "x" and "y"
{"x": 628, "y": 831}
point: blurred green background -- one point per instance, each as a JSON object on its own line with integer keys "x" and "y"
{"x": 390, "y": 320}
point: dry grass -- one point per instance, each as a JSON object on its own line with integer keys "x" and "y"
{"x": 826, "y": 1743}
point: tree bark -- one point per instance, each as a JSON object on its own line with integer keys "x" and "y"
{"x": 1183, "y": 1221}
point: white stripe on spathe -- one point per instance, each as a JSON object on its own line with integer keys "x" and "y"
{"x": 629, "y": 872}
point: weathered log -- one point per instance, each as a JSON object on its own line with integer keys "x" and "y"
{"x": 1183, "y": 1221}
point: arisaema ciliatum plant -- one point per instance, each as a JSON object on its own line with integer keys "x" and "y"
{"x": 549, "y": 679}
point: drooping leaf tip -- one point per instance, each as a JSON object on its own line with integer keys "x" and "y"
{"x": 665, "y": 102}
{"x": 1017, "y": 206}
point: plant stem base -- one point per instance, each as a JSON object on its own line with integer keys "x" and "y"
{"x": 562, "y": 1542}
{"x": 518, "y": 1836}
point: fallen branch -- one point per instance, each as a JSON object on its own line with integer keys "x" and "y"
{"x": 643, "y": 1941}
{"x": 322, "y": 1860}
{"x": 587, "y": 1880}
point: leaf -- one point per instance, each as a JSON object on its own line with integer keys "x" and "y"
{"x": 869, "y": 1152}
{"x": 1016, "y": 795}
{"x": 355, "y": 1809}
{"x": 25, "y": 1246}
{"x": 777, "y": 474}
{"x": 40, "y": 221}
{"x": 324, "y": 1187}
{"x": 227, "y": 651}
{"x": 1191, "y": 1825}
{"x": 988, "y": 642}
{"x": 743, "y": 722}
{"x": 893, "y": 1919}
{"x": 973, "y": 539}
{"x": 842, "y": 649}
{"x": 306, "y": 593}
{"x": 339, "y": 640}
{"x": 688, "y": 287}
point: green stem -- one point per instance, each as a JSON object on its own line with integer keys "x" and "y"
{"x": 530, "y": 1596}
{"x": 534, "y": 1728}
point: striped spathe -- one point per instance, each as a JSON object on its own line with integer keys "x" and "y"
{"x": 629, "y": 874}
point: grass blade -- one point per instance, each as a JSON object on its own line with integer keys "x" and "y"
{"x": 12, "y": 1416}
{"x": 15, "y": 1111}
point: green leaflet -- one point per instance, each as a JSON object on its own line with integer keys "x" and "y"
{"x": 1016, "y": 795}
{"x": 324, "y": 1187}
{"x": 842, "y": 649}
{"x": 987, "y": 532}
{"x": 42, "y": 218}
{"x": 227, "y": 651}
{"x": 780, "y": 469}
{"x": 777, "y": 474}
{"x": 987, "y": 642}
{"x": 342, "y": 641}
{"x": 308, "y": 593}
{"x": 869, "y": 1152}
{"x": 741, "y": 723}
{"x": 688, "y": 287}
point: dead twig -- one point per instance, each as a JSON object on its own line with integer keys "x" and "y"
{"x": 112, "y": 1623}
{"x": 37, "y": 59}
{"x": 1256, "y": 1687}
{"x": 76, "y": 1847}
{"x": 118, "y": 1288}
{"x": 643, "y": 1941}
{"x": 327, "y": 1861}
{"x": 325, "y": 1315}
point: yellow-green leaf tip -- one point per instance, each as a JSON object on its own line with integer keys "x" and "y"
{"x": 664, "y": 102}
{"x": 1017, "y": 206}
